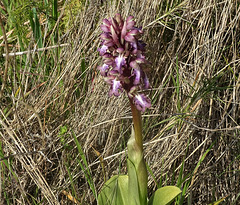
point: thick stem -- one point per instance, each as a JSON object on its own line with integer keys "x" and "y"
{"x": 137, "y": 170}
{"x": 137, "y": 122}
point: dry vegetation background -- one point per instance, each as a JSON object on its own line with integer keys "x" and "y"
{"x": 50, "y": 96}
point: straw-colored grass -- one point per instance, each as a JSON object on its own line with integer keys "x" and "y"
{"x": 193, "y": 47}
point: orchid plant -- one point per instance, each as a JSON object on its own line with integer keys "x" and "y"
{"x": 123, "y": 69}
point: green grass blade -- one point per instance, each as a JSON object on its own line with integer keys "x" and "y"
{"x": 178, "y": 86}
{"x": 151, "y": 173}
{"x": 85, "y": 169}
{"x": 71, "y": 181}
{"x": 54, "y": 10}
{"x": 37, "y": 29}
{"x": 55, "y": 18}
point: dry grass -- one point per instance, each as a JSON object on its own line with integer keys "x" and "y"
{"x": 194, "y": 51}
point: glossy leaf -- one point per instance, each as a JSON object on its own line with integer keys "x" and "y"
{"x": 164, "y": 195}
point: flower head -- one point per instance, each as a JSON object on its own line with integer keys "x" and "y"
{"x": 124, "y": 60}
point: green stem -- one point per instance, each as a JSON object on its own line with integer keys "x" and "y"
{"x": 137, "y": 122}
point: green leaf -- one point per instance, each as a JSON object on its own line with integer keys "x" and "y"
{"x": 164, "y": 195}
{"x": 114, "y": 191}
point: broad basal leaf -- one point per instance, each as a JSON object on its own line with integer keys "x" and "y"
{"x": 114, "y": 191}
{"x": 164, "y": 195}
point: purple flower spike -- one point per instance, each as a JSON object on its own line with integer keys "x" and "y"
{"x": 124, "y": 60}
{"x": 142, "y": 102}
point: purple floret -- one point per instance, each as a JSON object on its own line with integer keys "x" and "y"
{"x": 103, "y": 69}
{"x": 115, "y": 88}
{"x": 142, "y": 102}
{"x": 120, "y": 61}
{"x": 102, "y": 50}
